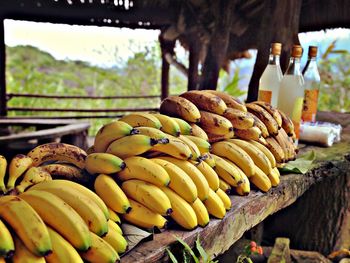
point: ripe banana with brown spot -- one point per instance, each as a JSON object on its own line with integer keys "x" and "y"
{"x": 284, "y": 145}
{"x": 287, "y": 123}
{"x": 208, "y": 158}
{"x": 274, "y": 177}
{"x": 176, "y": 148}
{"x": 176, "y": 106}
{"x": 266, "y": 151}
{"x": 199, "y": 132}
{"x": 239, "y": 119}
{"x": 153, "y": 133}
{"x": 224, "y": 186}
{"x": 137, "y": 119}
{"x": 65, "y": 171}
{"x": 258, "y": 123}
{"x": 214, "y": 123}
{"x": 196, "y": 153}
{"x": 169, "y": 125}
{"x": 230, "y": 101}
{"x": 289, "y": 142}
{"x": 17, "y": 167}
{"x": 264, "y": 116}
{"x": 217, "y": 138}
{"x": 260, "y": 180}
{"x": 275, "y": 149}
{"x": 244, "y": 188}
{"x": 227, "y": 172}
{"x": 253, "y": 133}
{"x": 32, "y": 176}
{"x": 270, "y": 109}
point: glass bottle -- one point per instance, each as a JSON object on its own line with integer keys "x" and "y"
{"x": 291, "y": 93}
{"x": 270, "y": 80}
{"x": 312, "y": 84}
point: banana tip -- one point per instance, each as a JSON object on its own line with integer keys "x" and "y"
{"x": 169, "y": 211}
{"x": 128, "y": 210}
{"x": 134, "y": 131}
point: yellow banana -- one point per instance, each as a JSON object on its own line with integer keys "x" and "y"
{"x": 214, "y": 205}
{"x": 239, "y": 119}
{"x": 176, "y": 106}
{"x": 144, "y": 169}
{"x": 289, "y": 143}
{"x": 236, "y": 154}
{"x": 224, "y": 186}
{"x": 65, "y": 171}
{"x": 131, "y": 145}
{"x": 116, "y": 239}
{"x": 208, "y": 158}
{"x": 217, "y": 138}
{"x": 89, "y": 211}
{"x": 287, "y": 123}
{"x": 62, "y": 250}
{"x": 143, "y": 217}
{"x": 180, "y": 181}
{"x": 260, "y": 180}
{"x": 253, "y": 133}
{"x": 58, "y": 152}
{"x": 110, "y": 132}
{"x": 202, "y": 145}
{"x": 62, "y": 184}
{"x": 33, "y": 175}
{"x": 224, "y": 198}
{"x": 205, "y": 101}
{"x": 275, "y": 149}
{"x": 3, "y": 166}
{"x": 113, "y": 225}
{"x": 259, "y": 158}
{"x": 273, "y": 111}
{"x": 193, "y": 147}
{"x": 24, "y": 255}
{"x": 274, "y": 177}
{"x": 183, "y": 213}
{"x": 60, "y": 216}
{"x": 264, "y": 116}
{"x": 7, "y": 246}
{"x": 26, "y": 223}
{"x": 106, "y": 163}
{"x": 258, "y": 123}
{"x": 230, "y": 101}
{"x": 196, "y": 176}
{"x": 214, "y": 123}
{"x": 199, "y": 132}
{"x": 141, "y": 119}
{"x": 169, "y": 125}
{"x": 114, "y": 216}
{"x": 91, "y": 149}
{"x": 284, "y": 145}
{"x": 266, "y": 151}
{"x": 17, "y": 167}
{"x": 111, "y": 194}
{"x": 100, "y": 251}
{"x": 244, "y": 188}
{"x": 201, "y": 212}
{"x": 209, "y": 174}
{"x": 176, "y": 148}
{"x": 227, "y": 171}
{"x": 154, "y": 133}
{"x": 148, "y": 195}
{"x": 185, "y": 127}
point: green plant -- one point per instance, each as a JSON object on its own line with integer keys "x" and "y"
{"x": 251, "y": 249}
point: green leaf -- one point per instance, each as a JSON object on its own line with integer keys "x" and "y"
{"x": 188, "y": 249}
{"x": 300, "y": 165}
{"x": 171, "y": 256}
{"x": 201, "y": 251}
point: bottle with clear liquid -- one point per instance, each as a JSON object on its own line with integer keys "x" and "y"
{"x": 270, "y": 80}
{"x": 312, "y": 84}
{"x": 291, "y": 93}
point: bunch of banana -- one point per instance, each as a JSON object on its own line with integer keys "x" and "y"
{"x": 230, "y": 101}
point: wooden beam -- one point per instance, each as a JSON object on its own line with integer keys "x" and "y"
{"x": 193, "y": 77}
{"x": 167, "y": 48}
{"x": 3, "y": 101}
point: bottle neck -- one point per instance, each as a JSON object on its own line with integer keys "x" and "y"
{"x": 310, "y": 65}
{"x": 293, "y": 67}
{"x": 274, "y": 59}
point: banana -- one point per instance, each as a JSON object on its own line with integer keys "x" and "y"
{"x": 273, "y": 111}
{"x": 3, "y": 166}
{"x": 17, "y": 167}
{"x": 62, "y": 250}
{"x": 289, "y": 143}
{"x": 144, "y": 169}
{"x": 148, "y": 195}
{"x": 131, "y": 145}
{"x": 202, "y": 145}
{"x": 260, "y": 180}
{"x": 259, "y": 158}
{"x": 65, "y": 171}
{"x": 116, "y": 239}
{"x": 275, "y": 149}
{"x": 208, "y": 158}
{"x": 253, "y": 133}
{"x": 153, "y": 133}
{"x": 24, "y": 255}
{"x": 264, "y": 116}
{"x": 266, "y": 151}
{"x": 209, "y": 174}
{"x": 199, "y": 132}
{"x": 214, "y": 205}
{"x": 103, "y": 163}
{"x": 185, "y": 127}
{"x": 110, "y": 132}
{"x": 196, "y": 153}
{"x": 224, "y": 186}
{"x": 62, "y": 184}
{"x": 138, "y": 119}
{"x": 196, "y": 176}
{"x": 58, "y": 152}
{"x": 176, "y": 106}
{"x": 7, "y": 246}
{"x": 26, "y": 223}
{"x": 169, "y": 125}
{"x": 230, "y": 101}
{"x": 214, "y": 123}
{"x": 284, "y": 145}
{"x": 91, "y": 149}
{"x": 33, "y": 175}
{"x": 205, "y": 101}
{"x": 143, "y": 217}
{"x": 180, "y": 181}
{"x": 287, "y": 123}
{"x": 111, "y": 194}
{"x": 60, "y": 216}
{"x": 239, "y": 119}
{"x": 217, "y": 138}
{"x": 258, "y": 123}
{"x": 114, "y": 216}
{"x": 176, "y": 148}
{"x": 274, "y": 177}
{"x": 89, "y": 211}
{"x": 183, "y": 213}
{"x": 113, "y": 225}
{"x": 244, "y": 188}
{"x": 224, "y": 198}
{"x": 227, "y": 172}
{"x": 100, "y": 251}
{"x": 236, "y": 154}
{"x": 201, "y": 212}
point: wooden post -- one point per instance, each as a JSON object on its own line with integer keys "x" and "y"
{"x": 193, "y": 78}
{"x": 3, "y": 100}
{"x": 166, "y": 46}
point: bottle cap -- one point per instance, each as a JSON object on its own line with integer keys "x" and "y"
{"x": 312, "y": 51}
{"x": 276, "y": 48}
{"x": 297, "y": 51}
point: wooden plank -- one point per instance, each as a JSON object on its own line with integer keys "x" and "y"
{"x": 80, "y": 110}
{"x": 53, "y": 96}
{"x": 33, "y": 122}
{"x": 3, "y": 110}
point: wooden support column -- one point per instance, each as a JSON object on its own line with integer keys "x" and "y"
{"x": 193, "y": 77}
{"x": 3, "y": 101}
{"x": 167, "y": 47}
